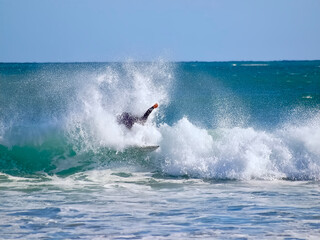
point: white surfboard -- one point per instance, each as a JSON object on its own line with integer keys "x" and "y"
{"x": 149, "y": 148}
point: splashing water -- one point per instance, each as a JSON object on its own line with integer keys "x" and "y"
{"x": 67, "y": 114}
{"x": 231, "y": 136}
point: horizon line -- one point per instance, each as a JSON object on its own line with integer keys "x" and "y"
{"x": 150, "y": 61}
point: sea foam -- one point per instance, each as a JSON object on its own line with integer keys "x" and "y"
{"x": 241, "y": 153}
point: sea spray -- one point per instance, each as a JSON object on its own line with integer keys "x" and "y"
{"x": 70, "y": 116}
{"x": 214, "y": 121}
{"x": 132, "y": 88}
{"x": 242, "y": 153}
{"x": 303, "y": 139}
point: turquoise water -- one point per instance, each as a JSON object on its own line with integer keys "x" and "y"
{"x": 238, "y": 158}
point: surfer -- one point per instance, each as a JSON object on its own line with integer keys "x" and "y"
{"x": 128, "y": 119}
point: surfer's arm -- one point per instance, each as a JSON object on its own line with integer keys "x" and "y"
{"x": 147, "y": 113}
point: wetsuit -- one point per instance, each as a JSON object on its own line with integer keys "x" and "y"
{"x": 128, "y": 120}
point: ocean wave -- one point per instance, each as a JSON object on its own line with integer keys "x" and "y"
{"x": 290, "y": 152}
{"x": 69, "y": 125}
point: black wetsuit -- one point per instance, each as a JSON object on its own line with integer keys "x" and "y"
{"x": 128, "y": 120}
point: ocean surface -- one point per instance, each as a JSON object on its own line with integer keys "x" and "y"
{"x": 238, "y": 156}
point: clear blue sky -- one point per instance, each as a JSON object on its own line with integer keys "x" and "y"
{"x": 176, "y": 30}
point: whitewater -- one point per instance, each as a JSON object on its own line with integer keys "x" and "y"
{"x": 238, "y": 156}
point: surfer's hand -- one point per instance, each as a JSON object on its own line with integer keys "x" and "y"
{"x": 155, "y": 105}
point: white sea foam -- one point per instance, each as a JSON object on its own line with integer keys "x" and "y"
{"x": 255, "y": 65}
{"x": 307, "y": 97}
{"x": 241, "y": 153}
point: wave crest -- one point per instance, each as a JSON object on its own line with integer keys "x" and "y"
{"x": 242, "y": 153}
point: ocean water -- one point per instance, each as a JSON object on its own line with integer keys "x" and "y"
{"x": 238, "y": 156}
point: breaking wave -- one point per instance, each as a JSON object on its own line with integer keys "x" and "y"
{"x": 62, "y": 125}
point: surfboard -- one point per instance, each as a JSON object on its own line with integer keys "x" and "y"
{"x": 150, "y": 148}
{"x": 143, "y": 149}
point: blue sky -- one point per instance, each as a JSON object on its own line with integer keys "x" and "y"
{"x": 144, "y": 30}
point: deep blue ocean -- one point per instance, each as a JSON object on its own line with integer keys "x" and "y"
{"x": 238, "y": 156}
